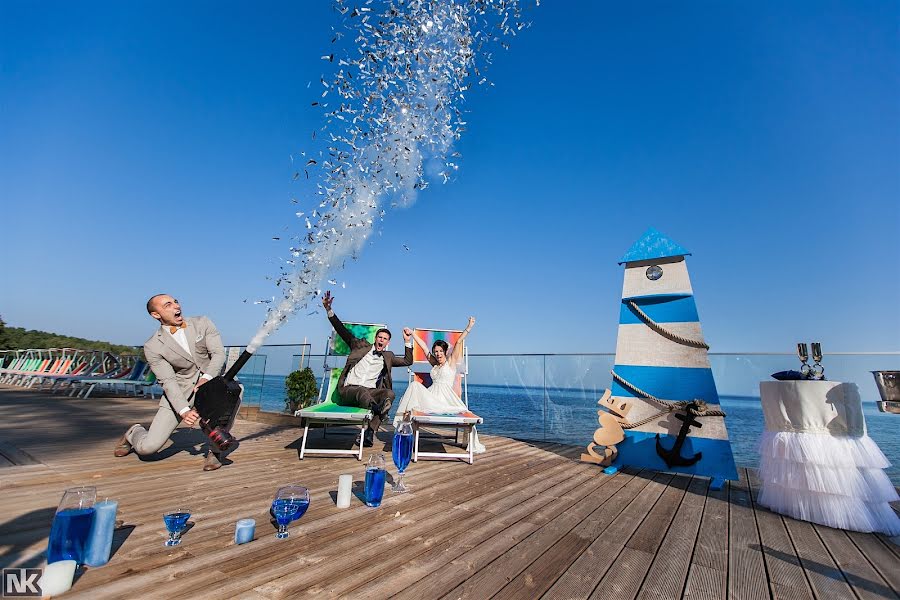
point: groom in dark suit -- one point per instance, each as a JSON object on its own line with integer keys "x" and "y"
{"x": 366, "y": 379}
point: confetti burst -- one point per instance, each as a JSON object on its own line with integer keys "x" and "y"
{"x": 392, "y": 106}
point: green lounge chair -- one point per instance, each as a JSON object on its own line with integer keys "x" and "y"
{"x": 328, "y": 411}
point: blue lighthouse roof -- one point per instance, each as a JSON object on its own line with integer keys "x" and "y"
{"x": 653, "y": 245}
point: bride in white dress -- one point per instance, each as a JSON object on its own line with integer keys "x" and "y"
{"x": 441, "y": 396}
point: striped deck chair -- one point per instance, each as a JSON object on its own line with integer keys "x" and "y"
{"x": 327, "y": 411}
{"x": 465, "y": 420}
{"x": 120, "y": 368}
{"x": 136, "y": 376}
{"x": 66, "y": 363}
{"x": 40, "y": 361}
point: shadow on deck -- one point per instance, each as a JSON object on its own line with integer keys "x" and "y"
{"x": 527, "y": 520}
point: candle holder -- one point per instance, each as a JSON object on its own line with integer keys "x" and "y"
{"x": 244, "y": 531}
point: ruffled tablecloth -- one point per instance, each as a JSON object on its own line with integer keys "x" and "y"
{"x": 817, "y": 463}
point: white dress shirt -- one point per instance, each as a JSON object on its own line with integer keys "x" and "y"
{"x": 181, "y": 337}
{"x": 366, "y": 371}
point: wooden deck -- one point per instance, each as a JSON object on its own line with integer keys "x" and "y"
{"x": 527, "y": 520}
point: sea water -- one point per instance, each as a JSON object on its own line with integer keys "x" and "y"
{"x": 569, "y": 415}
{"x": 375, "y": 486}
{"x": 69, "y": 534}
{"x": 401, "y": 450}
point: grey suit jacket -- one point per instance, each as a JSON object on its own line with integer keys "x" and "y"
{"x": 176, "y": 370}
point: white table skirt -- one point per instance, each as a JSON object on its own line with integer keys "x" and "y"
{"x": 816, "y": 462}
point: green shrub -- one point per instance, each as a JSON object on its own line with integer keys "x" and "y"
{"x": 300, "y": 388}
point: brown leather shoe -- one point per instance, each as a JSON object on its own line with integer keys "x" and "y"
{"x": 123, "y": 446}
{"x": 212, "y": 462}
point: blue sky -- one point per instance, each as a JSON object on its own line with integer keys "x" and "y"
{"x": 145, "y": 148}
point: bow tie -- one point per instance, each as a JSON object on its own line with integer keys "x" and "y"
{"x": 377, "y": 353}
{"x": 173, "y": 329}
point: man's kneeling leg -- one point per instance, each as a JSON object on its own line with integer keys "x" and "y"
{"x": 148, "y": 441}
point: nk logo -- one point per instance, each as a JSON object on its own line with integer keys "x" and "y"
{"x": 21, "y": 583}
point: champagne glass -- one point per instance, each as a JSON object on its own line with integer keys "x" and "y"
{"x": 818, "y": 371}
{"x": 803, "y": 354}
{"x": 176, "y": 522}
{"x": 72, "y": 525}
{"x": 291, "y": 502}
{"x": 401, "y": 451}
{"x": 375, "y": 476}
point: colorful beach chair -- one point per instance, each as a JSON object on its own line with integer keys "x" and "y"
{"x": 327, "y": 411}
{"x": 137, "y": 377}
{"x": 463, "y": 420}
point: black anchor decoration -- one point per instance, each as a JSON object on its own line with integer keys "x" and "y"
{"x": 673, "y": 457}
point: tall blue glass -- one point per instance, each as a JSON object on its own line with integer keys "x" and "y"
{"x": 401, "y": 451}
{"x": 375, "y": 477}
{"x": 72, "y": 525}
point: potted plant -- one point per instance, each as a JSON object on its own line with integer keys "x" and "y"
{"x": 300, "y": 388}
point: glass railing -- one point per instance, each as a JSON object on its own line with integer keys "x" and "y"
{"x": 263, "y": 375}
{"x": 553, "y": 397}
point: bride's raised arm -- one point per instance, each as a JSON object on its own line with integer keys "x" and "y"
{"x": 424, "y": 348}
{"x": 457, "y": 353}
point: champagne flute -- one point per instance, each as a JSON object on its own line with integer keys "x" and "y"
{"x": 401, "y": 452}
{"x": 818, "y": 371}
{"x": 290, "y": 503}
{"x": 803, "y": 353}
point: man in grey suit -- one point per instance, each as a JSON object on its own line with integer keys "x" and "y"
{"x": 184, "y": 354}
{"x": 366, "y": 379}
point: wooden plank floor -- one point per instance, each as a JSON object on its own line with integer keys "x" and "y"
{"x": 527, "y": 520}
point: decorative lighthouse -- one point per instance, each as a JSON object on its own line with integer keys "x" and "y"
{"x": 663, "y": 407}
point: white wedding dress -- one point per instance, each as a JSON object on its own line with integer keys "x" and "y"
{"x": 440, "y": 398}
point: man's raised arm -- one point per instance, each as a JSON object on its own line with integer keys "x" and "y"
{"x": 335, "y": 322}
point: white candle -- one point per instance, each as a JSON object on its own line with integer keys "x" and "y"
{"x": 345, "y": 483}
{"x": 57, "y": 578}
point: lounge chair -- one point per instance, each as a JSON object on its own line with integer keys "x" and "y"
{"x": 465, "y": 420}
{"x": 328, "y": 412}
{"x": 137, "y": 377}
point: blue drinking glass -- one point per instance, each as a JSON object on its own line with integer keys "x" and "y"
{"x": 401, "y": 451}
{"x": 375, "y": 477}
{"x": 72, "y": 525}
{"x": 176, "y": 521}
{"x": 290, "y": 503}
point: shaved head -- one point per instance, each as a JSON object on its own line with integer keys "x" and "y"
{"x": 152, "y": 301}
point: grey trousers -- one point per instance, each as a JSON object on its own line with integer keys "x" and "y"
{"x": 148, "y": 441}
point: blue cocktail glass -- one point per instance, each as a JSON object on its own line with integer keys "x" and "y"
{"x": 290, "y": 503}
{"x": 176, "y": 521}
{"x": 401, "y": 451}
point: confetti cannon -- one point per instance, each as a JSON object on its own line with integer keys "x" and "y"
{"x": 217, "y": 401}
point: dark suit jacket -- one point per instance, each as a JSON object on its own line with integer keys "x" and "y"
{"x": 360, "y": 347}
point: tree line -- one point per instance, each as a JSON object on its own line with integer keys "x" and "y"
{"x": 19, "y": 338}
